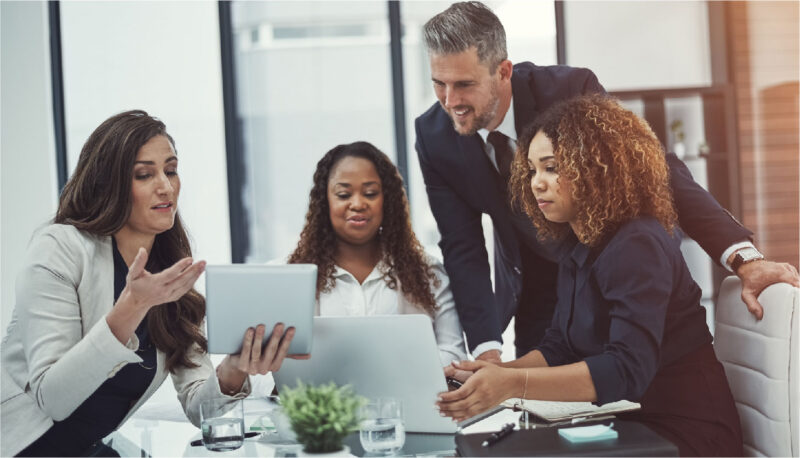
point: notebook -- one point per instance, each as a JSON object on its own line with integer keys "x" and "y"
{"x": 634, "y": 439}
{"x": 552, "y": 411}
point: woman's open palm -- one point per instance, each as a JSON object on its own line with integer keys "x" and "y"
{"x": 149, "y": 289}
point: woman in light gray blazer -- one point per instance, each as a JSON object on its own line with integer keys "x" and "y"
{"x": 105, "y": 306}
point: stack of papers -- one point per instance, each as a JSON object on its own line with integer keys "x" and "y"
{"x": 551, "y": 411}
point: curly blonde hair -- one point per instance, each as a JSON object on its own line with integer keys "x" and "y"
{"x": 403, "y": 254}
{"x": 613, "y": 161}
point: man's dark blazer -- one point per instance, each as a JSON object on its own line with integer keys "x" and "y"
{"x": 462, "y": 184}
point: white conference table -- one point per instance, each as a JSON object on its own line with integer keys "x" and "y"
{"x": 146, "y": 435}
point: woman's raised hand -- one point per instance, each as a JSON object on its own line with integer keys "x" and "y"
{"x": 148, "y": 289}
{"x": 144, "y": 290}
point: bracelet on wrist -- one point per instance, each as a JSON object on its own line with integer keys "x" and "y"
{"x": 525, "y": 388}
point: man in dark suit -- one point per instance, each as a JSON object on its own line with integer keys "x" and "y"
{"x": 465, "y": 144}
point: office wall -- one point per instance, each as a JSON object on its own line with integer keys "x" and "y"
{"x": 765, "y": 66}
{"x": 636, "y": 45}
{"x": 27, "y": 150}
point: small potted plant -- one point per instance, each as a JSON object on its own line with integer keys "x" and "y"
{"x": 322, "y": 416}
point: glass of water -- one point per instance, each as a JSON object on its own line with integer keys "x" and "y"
{"x": 222, "y": 424}
{"x": 382, "y": 428}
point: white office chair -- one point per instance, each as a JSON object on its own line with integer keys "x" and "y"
{"x": 761, "y": 363}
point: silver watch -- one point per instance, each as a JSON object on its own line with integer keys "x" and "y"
{"x": 744, "y": 256}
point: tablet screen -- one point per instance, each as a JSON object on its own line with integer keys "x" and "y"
{"x": 240, "y": 296}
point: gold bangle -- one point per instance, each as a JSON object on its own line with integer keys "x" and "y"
{"x": 525, "y": 390}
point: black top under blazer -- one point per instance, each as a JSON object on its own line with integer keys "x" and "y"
{"x": 462, "y": 184}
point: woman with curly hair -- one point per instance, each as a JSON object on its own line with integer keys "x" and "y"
{"x": 358, "y": 233}
{"x": 105, "y": 304}
{"x": 628, "y": 324}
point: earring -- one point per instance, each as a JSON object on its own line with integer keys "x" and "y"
{"x": 380, "y": 230}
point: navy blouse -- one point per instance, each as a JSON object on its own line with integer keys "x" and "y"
{"x": 628, "y": 308}
{"x": 103, "y": 411}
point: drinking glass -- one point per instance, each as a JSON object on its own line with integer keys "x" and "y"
{"x": 222, "y": 422}
{"x": 382, "y": 427}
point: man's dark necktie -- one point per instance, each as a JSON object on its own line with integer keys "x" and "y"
{"x": 502, "y": 153}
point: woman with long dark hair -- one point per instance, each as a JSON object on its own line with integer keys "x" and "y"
{"x": 358, "y": 233}
{"x": 628, "y": 323}
{"x": 105, "y": 305}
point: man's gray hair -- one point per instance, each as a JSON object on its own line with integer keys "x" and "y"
{"x": 464, "y": 25}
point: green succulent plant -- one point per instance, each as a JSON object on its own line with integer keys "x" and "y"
{"x": 322, "y": 416}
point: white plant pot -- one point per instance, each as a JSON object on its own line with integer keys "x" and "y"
{"x": 345, "y": 451}
{"x": 679, "y": 149}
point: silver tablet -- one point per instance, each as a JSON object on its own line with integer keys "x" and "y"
{"x": 240, "y": 296}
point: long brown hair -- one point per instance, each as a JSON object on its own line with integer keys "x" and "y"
{"x": 401, "y": 250}
{"x": 97, "y": 199}
{"x": 613, "y": 161}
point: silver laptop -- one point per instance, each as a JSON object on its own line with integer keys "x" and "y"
{"x": 380, "y": 356}
{"x": 239, "y": 296}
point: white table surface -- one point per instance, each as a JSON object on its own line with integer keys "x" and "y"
{"x": 157, "y": 437}
{"x": 160, "y": 428}
{"x": 151, "y": 437}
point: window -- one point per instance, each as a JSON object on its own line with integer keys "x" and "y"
{"x": 319, "y": 76}
{"x": 163, "y": 58}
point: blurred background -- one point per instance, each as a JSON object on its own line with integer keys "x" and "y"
{"x": 254, "y": 93}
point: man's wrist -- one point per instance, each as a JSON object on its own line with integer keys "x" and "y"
{"x": 728, "y": 255}
{"x": 487, "y": 346}
{"x": 490, "y": 356}
{"x": 742, "y": 257}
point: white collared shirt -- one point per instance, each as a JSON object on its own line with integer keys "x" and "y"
{"x": 374, "y": 297}
{"x": 507, "y": 127}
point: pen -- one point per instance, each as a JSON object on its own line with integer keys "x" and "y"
{"x": 199, "y": 442}
{"x": 589, "y": 419}
{"x": 507, "y": 429}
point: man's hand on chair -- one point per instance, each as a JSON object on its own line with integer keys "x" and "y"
{"x": 757, "y": 275}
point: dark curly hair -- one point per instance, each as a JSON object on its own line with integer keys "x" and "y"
{"x": 613, "y": 161}
{"x": 402, "y": 252}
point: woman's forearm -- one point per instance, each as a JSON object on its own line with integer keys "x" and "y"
{"x": 533, "y": 358}
{"x": 125, "y": 317}
{"x": 571, "y": 382}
